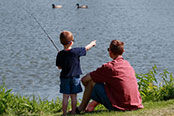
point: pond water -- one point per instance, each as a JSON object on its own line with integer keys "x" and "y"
{"x": 27, "y": 57}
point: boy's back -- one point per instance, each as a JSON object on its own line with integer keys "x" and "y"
{"x": 69, "y": 61}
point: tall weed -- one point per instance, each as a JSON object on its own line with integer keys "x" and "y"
{"x": 21, "y": 105}
{"x": 156, "y": 89}
{"x": 4, "y": 96}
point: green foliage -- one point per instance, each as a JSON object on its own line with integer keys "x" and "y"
{"x": 166, "y": 86}
{"x": 15, "y": 104}
{"x": 153, "y": 90}
{"x": 150, "y": 90}
{"x": 4, "y": 96}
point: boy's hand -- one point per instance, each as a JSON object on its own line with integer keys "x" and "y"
{"x": 93, "y": 43}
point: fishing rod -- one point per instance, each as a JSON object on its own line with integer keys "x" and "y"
{"x": 42, "y": 29}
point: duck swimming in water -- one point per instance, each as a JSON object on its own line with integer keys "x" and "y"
{"x": 82, "y": 6}
{"x": 56, "y": 6}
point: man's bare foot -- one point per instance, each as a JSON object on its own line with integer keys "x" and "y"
{"x": 91, "y": 106}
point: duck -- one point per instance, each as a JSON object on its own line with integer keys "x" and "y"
{"x": 82, "y": 6}
{"x": 56, "y": 6}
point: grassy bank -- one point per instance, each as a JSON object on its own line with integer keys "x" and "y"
{"x": 162, "y": 108}
{"x": 158, "y": 99}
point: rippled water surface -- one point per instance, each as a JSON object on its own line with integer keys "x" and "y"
{"x": 27, "y": 57}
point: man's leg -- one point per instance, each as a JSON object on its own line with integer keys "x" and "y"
{"x": 91, "y": 106}
{"x": 99, "y": 95}
{"x": 89, "y": 84}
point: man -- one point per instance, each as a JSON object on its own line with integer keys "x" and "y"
{"x": 114, "y": 84}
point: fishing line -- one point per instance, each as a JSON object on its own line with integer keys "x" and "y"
{"x": 42, "y": 29}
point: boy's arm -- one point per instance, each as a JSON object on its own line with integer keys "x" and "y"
{"x": 90, "y": 45}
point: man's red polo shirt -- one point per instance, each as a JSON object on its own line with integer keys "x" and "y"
{"x": 120, "y": 84}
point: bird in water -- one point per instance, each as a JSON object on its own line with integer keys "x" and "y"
{"x": 56, "y": 6}
{"x": 82, "y": 6}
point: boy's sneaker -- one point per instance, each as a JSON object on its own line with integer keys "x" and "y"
{"x": 77, "y": 110}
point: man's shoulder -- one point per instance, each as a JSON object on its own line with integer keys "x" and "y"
{"x": 115, "y": 63}
{"x": 107, "y": 65}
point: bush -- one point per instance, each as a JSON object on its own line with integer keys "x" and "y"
{"x": 15, "y": 104}
{"x": 153, "y": 90}
{"x": 4, "y": 96}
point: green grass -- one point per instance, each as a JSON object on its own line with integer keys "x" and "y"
{"x": 162, "y": 108}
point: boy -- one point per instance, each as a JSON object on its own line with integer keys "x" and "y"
{"x": 69, "y": 61}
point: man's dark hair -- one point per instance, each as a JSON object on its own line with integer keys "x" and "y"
{"x": 117, "y": 47}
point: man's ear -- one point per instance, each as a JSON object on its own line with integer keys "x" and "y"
{"x": 71, "y": 43}
{"x": 110, "y": 53}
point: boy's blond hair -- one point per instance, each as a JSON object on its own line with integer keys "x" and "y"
{"x": 66, "y": 37}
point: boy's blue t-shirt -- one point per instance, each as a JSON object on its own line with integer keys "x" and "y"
{"x": 69, "y": 61}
